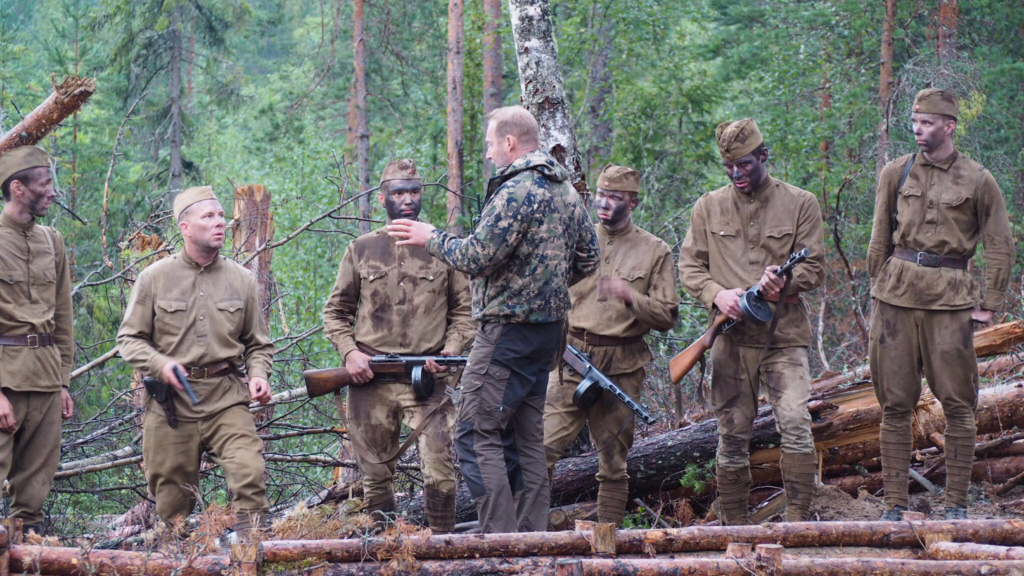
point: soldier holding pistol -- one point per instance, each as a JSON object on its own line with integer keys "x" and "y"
{"x": 399, "y": 299}
{"x": 633, "y": 292}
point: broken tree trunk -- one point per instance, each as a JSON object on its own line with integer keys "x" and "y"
{"x": 541, "y": 82}
{"x": 971, "y": 551}
{"x": 998, "y": 339}
{"x": 67, "y": 98}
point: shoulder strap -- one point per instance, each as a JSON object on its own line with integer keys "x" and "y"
{"x": 899, "y": 186}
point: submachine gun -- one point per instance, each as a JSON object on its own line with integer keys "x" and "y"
{"x": 328, "y": 380}
{"x": 595, "y": 383}
{"x": 756, "y": 310}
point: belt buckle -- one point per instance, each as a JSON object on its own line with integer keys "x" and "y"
{"x": 194, "y": 373}
{"x": 28, "y": 340}
{"x": 927, "y": 260}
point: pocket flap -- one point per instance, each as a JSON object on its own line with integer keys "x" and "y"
{"x": 229, "y": 305}
{"x": 954, "y": 199}
{"x": 371, "y": 275}
{"x": 722, "y": 229}
{"x": 910, "y": 190}
{"x": 172, "y": 305}
{"x": 632, "y": 275}
{"x": 12, "y": 276}
{"x": 49, "y": 276}
{"x": 428, "y": 275}
{"x": 778, "y": 232}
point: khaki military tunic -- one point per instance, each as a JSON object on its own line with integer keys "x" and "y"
{"x": 921, "y": 322}
{"x": 35, "y": 298}
{"x": 645, "y": 262}
{"x": 197, "y": 316}
{"x": 732, "y": 238}
{"x": 401, "y": 300}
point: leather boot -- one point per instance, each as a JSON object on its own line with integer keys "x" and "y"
{"x": 440, "y": 508}
{"x": 381, "y": 508}
{"x": 612, "y": 496}
{"x": 798, "y": 478}
{"x": 733, "y": 494}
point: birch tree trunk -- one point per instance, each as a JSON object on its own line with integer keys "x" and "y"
{"x": 174, "y": 83}
{"x": 492, "y": 65}
{"x": 885, "y": 86}
{"x": 362, "y": 129}
{"x": 541, "y": 83}
{"x": 455, "y": 142}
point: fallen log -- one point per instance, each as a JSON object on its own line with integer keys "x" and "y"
{"x": 998, "y": 339}
{"x": 971, "y": 551}
{"x": 79, "y": 562}
{"x": 993, "y": 470}
{"x": 796, "y": 566}
{"x": 678, "y": 540}
{"x": 66, "y": 99}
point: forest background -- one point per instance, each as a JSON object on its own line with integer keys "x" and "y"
{"x": 265, "y": 92}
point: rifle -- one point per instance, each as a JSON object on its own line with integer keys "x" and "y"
{"x": 588, "y": 392}
{"x": 328, "y": 380}
{"x": 756, "y": 310}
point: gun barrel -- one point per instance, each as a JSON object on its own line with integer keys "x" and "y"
{"x": 183, "y": 380}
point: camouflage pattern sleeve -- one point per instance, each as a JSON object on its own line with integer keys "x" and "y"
{"x": 340, "y": 309}
{"x": 588, "y": 257}
{"x": 503, "y": 222}
{"x": 461, "y": 326}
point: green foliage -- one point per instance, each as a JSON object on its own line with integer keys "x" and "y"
{"x": 696, "y": 476}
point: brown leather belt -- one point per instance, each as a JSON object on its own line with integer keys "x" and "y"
{"x": 598, "y": 340}
{"x": 930, "y": 260}
{"x": 222, "y": 368}
{"x": 29, "y": 340}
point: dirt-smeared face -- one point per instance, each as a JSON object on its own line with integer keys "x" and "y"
{"x": 931, "y": 131}
{"x": 402, "y": 199}
{"x": 39, "y": 191}
{"x": 614, "y": 207}
{"x": 747, "y": 172}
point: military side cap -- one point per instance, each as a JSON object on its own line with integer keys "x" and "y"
{"x": 22, "y": 158}
{"x": 191, "y": 196}
{"x": 404, "y": 169}
{"x": 737, "y": 139}
{"x": 619, "y": 178}
{"x": 937, "y": 101}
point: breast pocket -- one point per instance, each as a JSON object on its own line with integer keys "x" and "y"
{"x": 724, "y": 233}
{"x": 778, "y": 242}
{"x": 12, "y": 288}
{"x": 229, "y": 312}
{"x": 637, "y": 280}
{"x": 171, "y": 316}
{"x": 908, "y": 202}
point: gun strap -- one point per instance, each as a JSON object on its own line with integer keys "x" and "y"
{"x": 899, "y": 186}
{"x": 416, "y": 432}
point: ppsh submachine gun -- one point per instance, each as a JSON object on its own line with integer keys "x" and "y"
{"x": 756, "y": 310}
{"x": 164, "y": 394}
{"x": 595, "y": 384}
{"x": 328, "y": 380}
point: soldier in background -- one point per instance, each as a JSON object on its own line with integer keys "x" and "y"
{"x": 633, "y": 292}
{"x": 533, "y": 240}
{"x": 931, "y": 211}
{"x": 399, "y": 299}
{"x": 37, "y": 343}
{"x": 738, "y": 236}
{"x": 200, "y": 312}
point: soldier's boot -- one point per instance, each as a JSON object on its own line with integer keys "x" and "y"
{"x": 380, "y": 509}
{"x": 894, "y": 514}
{"x": 733, "y": 494}
{"x": 895, "y": 449}
{"x": 440, "y": 508}
{"x": 249, "y": 525}
{"x": 798, "y": 478}
{"x": 612, "y": 496}
{"x": 959, "y": 460}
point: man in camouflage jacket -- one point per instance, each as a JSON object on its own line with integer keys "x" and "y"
{"x": 533, "y": 240}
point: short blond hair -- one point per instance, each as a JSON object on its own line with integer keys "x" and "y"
{"x": 517, "y": 122}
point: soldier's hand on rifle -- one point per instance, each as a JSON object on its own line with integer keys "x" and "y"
{"x": 770, "y": 284}
{"x": 431, "y": 366}
{"x": 728, "y": 301}
{"x": 259, "y": 390}
{"x": 358, "y": 366}
{"x": 167, "y": 375}
{"x": 616, "y": 288}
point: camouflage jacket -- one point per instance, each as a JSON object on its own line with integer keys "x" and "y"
{"x": 533, "y": 241}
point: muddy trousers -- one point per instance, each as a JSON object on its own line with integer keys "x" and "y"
{"x": 611, "y": 431}
{"x": 173, "y": 456}
{"x": 738, "y": 375}
{"x": 376, "y": 412}
{"x": 906, "y": 342}
{"x": 499, "y": 431}
{"x": 29, "y": 457}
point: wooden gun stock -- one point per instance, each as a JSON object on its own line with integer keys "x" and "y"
{"x": 681, "y": 365}
{"x": 330, "y": 380}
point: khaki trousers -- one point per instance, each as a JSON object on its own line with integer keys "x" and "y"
{"x": 29, "y": 457}
{"x": 906, "y": 343}
{"x": 737, "y": 377}
{"x": 172, "y": 457}
{"x": 375, "y": 414}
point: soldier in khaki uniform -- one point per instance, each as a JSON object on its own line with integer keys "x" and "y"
{"x": 201, "y": 312}
{"x": 36, "y": 334}
{"x": 399, "y": 299}
{"x": 738, "y": 235}
{"x": 633, "y": 292}
{"x": 924, "y": 297}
